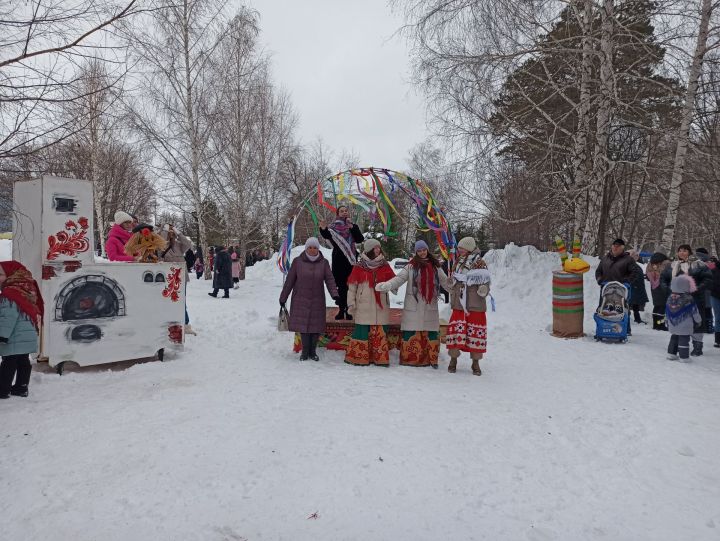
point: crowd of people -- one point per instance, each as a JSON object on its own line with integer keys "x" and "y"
{"x": 359, "y": 282}
{"x": 685, "y": 293}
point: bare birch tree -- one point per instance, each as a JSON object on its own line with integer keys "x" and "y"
{"x": 702, "y": 45}
{"x": 177, "y": 106}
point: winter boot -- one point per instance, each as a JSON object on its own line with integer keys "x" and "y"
{"x": 673, "y": 348}
{"x": 717, "y": 340}
{"x": 697, "y": 348}
{"x": 313, "y": 348}
{"x": 190, "y": 330}
{"x": 213, "y": 294}
{"x": 340, "y": 315}
{"x": 452, "y": 367}
{"x": 19, "y": 390}
{"x": 348, "y": 316}
{"x": 476, "y": 366}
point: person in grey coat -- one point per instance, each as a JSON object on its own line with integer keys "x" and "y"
{"x": 682, "y": 315}
{"x": 21, "y": 310}
{"x": 309, "y": 275}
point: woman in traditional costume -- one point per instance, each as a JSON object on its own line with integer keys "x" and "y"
{"x": 470, "y": 285}
{"x": 420, "y": 324}
{"x": 371, "y": 308}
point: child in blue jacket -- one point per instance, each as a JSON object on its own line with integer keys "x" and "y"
{"x": 21, "y": 311}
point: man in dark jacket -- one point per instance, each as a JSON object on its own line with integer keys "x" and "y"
{"x": 618, "y": 266}
{"x": 222, "y": 277}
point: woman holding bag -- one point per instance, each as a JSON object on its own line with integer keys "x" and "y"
{"x": 420, "y": 324}
{"x": 309, "y": 275}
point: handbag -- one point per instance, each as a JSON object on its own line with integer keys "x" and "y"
{"x": 283, "y": 320}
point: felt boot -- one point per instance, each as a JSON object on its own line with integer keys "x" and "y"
{"x": 452, "y": 367}
{"x": 697, "y": 349}
{"x": 476, "y": 364}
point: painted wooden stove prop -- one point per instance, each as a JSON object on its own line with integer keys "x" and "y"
{"x": 568, "y": 296}
{"x": 337, "y": 333}
{"x": 96, "y": 312}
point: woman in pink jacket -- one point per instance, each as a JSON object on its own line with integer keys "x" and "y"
{"x": 118, "y": 236}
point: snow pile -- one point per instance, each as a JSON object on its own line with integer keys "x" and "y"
{"x": 235, "y": 439}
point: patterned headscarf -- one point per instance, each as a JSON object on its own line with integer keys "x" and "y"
{"x": 21, "y": 288}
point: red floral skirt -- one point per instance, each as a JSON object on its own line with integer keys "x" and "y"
{"x": 419, "y": 348}
{"x": 467, "y": 332}
{"x": 368, "y": 345}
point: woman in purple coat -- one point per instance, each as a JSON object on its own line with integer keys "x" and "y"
{"x": 308, "y": 276}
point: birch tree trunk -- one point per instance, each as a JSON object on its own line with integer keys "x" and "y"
{"x": 597, "y": 209}
{"x": 668, "y": 233}
{"x": 583, "y": 13}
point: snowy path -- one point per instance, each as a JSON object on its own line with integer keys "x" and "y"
{"x": 234, "y": 439}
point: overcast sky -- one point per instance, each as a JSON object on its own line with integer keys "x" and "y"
{"x": 347, "y": 75}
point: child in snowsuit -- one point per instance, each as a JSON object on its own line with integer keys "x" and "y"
{"x": 681, "y": 315}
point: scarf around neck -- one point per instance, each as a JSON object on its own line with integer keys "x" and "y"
{"x": 23, "y": 290}
{"x": 426, "y": 281}
{"x": 679, "y": 307}
{"x": 341, "y": 234}
{"x": 371, "y": 272}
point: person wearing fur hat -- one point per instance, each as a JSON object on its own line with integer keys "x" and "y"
{"x": 470, "y": 285}
{"x": 420, "y": 324}
{"x": 118, "y": 236}
{"x": 658, "y": 291}
{"x": 371, "y": 308}
{"x": 687, "y": 263}
{"x": 682, "y": 315}
{"x": 308, "y": 277}
{"x": 21, "y": 311}
{"x": 342, "y": 234}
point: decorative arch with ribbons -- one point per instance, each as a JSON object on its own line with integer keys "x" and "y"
{"x": 376, "y": 192}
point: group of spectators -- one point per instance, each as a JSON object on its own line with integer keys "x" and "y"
{"x": 685, "y": 293}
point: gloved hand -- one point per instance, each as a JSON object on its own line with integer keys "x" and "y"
{"x": 3, "y": 340}
{"x": 336, "y": 298}
{"x": 350, "y": 310}
{"x": 382, "y": 286}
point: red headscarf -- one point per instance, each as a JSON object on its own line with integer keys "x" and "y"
{"x": 23, "y": 290}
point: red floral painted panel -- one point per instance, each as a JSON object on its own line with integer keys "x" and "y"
{"x": 70, "y": 242}
{"x": 173, "y": 284}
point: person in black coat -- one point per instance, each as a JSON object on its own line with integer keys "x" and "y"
{"x": 342, "y": 234}
{"x": 189, "y": 259}
{"x": 658, "y": 291}
{"x": 686, "y": 263}
{"x": 222, "y": 273}
{"x": 714, "y": 267}
{"x": 638, "y": 293}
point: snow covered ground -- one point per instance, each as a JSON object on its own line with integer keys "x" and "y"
{"x": 235, "y": 439}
